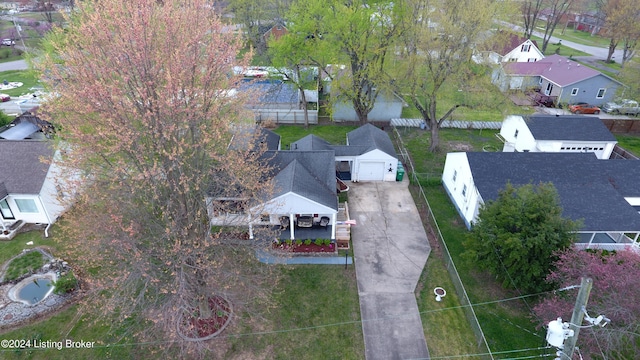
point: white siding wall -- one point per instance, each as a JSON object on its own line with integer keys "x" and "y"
{"x": 458, "y": 181}
{"x": 376, "y": 156}
{"x": 519, "y": 56}
{"x": 524, "y": 139}
{"x": 601, "y": 149}
{"x": 27, "y": 217}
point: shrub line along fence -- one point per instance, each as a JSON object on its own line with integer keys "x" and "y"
{"x": 451, "y": 267}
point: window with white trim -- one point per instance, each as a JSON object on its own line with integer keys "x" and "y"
{"x": 525, "y": 48}
{"x": 27, "y": 206}
{"x": 455, "y": 175}
{"x": 601, "y": 92}
{"x": 574, "y": 91}
{"x": 464, "y": 190}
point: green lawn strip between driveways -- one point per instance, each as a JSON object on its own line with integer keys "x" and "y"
{"x": 506, "y": 324}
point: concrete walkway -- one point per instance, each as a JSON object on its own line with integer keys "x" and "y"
{"x": 391, "y": 249}
{"x": 266, "y": 257}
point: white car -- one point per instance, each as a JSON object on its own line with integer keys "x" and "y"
{"x": 8, "y": 42}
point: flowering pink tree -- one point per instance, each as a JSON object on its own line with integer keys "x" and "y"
{"x": 143, "y": 107}
{"x": 615, "y": 294}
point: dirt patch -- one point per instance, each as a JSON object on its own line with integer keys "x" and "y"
{"x": 459, "y": 146}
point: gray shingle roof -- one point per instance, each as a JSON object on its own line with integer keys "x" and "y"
{"x": 256, "y": 136}
{"x": 568, "y": 127}
{"x": 22, "y": 170}
{"x": 310, "y": 174}
{"x": 371, "y": 138}
{"x": 312, "y": 142}
{"x": 589, "y": 189}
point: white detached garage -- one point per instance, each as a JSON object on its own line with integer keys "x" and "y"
{"x": 376, "y": 158}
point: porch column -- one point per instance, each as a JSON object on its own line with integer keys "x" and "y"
{"x": 334, "y": 219}
{"x": 291, "y": 227}
{"x": 250, "y": 227}
{"x": 591, "y": 240}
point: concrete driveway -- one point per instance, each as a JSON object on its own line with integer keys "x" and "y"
{"x": 391, "y": 249}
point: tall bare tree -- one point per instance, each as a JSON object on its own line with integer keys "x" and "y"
{"x": 436, "y": 49}
{"x": 556, "y": 11}
{"x": 622, "y": 22}
{"x": 145, "y": 116}
{"x": 530, "y": 13}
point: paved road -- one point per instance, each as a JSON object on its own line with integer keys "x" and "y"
{"x": 14, "y": 65}
{"x": 390, "y": 249}
{"x": 599, "y": 53}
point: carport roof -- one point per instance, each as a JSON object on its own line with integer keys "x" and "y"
{"x": 568, "y": 127}
{"x": 589, "y": 189}
{"x": 310, "y": 174}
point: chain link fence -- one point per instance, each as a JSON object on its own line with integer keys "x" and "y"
{"x": 418, "y": 178}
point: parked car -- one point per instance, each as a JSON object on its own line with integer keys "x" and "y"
{"x": 584, "y": 108}
{"x": 626, "y": 106}
{"x": 8, "y": 42}
{"x": 4, "y": 97}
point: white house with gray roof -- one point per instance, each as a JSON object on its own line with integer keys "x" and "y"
{"x": 603, "y": 194}
{"x": 368, "y": 156}
{"x": 28, "y": 191}
{"x": 549, "y": 133}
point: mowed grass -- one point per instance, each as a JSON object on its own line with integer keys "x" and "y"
{"x": 505, "y": 323}
{"x": 334, "y": 134}
{"x": 26, "y": 77}
{"x": 479, "y": 100}
{"x": 560, "y": 49}
{"x": 630, "y": 143}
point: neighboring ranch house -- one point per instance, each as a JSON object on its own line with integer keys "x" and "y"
{"x": 514, "y": 49}
{"x": 549, "y": 133}
{"x": 368, "y": 156}
{"x": 565, "y": 80}
{"x": 603, "y": 194}
{"x": 304, "y": 180}
{"x": 28, "y": 191}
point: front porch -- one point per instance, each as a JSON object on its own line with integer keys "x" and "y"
{"x": 314, "y": 232}
{"x": 608, "y": 241}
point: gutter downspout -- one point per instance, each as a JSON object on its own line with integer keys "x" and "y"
{"x": 46, "y": 230}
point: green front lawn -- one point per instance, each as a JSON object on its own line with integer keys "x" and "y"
{"x": 26, "y": 77}
{"x": 560, "y": 49}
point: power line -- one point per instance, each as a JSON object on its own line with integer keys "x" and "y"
{"x": 352, "y": 322}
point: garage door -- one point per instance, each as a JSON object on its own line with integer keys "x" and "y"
{"x": 370, "y": 170}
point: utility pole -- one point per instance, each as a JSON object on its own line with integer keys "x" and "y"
{"x": 578, "y": 315}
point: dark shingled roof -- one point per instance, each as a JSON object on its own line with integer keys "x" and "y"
{"x": 310, "y": 174}
{"x": 22, "y": 171}
{"x": 589, "y": 189}
{"x": 312, "y": 142}
{"x": 370, "y": 138}
{"x": 568, "y": 127}
{"x": 256, "y": 135}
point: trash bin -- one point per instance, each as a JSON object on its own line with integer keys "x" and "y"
{"x": 400, "y": 172}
